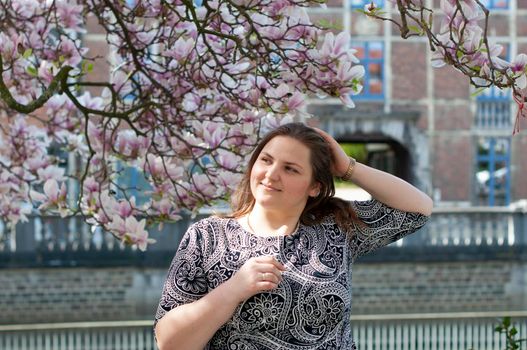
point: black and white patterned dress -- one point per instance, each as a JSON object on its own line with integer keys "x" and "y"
{"x": 310, "y": 309}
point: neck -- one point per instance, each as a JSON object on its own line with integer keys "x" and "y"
{"x": 263, "y": 223}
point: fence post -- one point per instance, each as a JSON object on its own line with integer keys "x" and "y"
{"x": 520, "y": 223}
{"x": 25, "y": 236}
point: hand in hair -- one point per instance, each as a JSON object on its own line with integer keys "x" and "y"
{"x": 339, "y": 158}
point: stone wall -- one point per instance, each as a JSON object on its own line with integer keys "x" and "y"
{"x": 104, "y": 294}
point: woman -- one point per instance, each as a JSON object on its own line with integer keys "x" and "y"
{"x": 276, "y": 273}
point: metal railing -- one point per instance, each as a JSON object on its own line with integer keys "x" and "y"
{"x": 54, "y": 241}
{"x": 125, "y": 335}
{"x": 453, "y": 331}
{"x": 473, "y": 226}
{"x": 493, "y": 114}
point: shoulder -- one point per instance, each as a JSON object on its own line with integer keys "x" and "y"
{"x": 212, "y": 226}
{"x": 327, "y": 223}
{"x": 366, "y": 206}
{"x": 209, "y": 222}
{"x": 373, "y": 209}
{"x": 374, "y": 213}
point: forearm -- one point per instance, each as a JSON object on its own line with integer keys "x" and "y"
{"x": 191, "y": 326}
{"x": 391, "y": 190}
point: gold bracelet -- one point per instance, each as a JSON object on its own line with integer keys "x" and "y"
{"x": 349, "y": 172}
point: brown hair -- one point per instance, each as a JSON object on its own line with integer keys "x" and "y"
{"x": 316, "y": 207}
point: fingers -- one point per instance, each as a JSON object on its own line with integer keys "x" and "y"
{"x": 272, "y": 277}
{"x": 339, "y": 157}
{"x": 269, "y": 259}
{"x": 268, "y": 272}
{"x": 326, "y": 136}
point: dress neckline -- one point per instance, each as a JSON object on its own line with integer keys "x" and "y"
{"x": 294, "y": 233}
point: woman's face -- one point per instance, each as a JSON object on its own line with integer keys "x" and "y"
{"x": 282, "y": 176}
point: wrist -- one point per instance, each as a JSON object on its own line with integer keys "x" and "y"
{"x": 231, "y": 294}
{"x": 349, "y": 171}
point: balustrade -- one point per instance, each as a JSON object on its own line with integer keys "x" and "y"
{"x": 493, "y": 114}
{"x": 55, "y": 241}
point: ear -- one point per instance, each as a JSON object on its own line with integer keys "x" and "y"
{"x": 314, "y": 190}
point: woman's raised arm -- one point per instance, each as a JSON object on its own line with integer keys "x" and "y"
{"x": 382, "y": 186}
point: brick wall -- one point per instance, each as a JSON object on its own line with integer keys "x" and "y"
{"x": 438, "y": 287}
{"x": 409, "y": 80}
{"x": 77, "y": 294}
{"x": 519, "y": 165}
{"x": 453, "y": 117}
{"x": 452, "y": 166}
{"x": 450, "y": 84}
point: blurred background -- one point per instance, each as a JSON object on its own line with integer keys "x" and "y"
{"x": 64, "y": 286}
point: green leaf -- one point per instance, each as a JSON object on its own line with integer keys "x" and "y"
{"x": 27, "y": 53}
{"x": 324, "y": 23}
{"x": 327, "y": 24}
{"x": 87, "y": 67}
{"x": 506, "y": 321}
{"x": 415, "y": 29}
{"x": 32, "y": 71}
{"x": 475, "y": 94}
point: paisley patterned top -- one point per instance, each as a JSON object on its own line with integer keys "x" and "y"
{"x": 310, "y": 309}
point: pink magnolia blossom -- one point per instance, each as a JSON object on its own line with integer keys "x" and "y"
{"x": 47, "y": 71}
{"x": 519, "y": 69}
{"x": 70, "y": 52}
{"x": 182, "y": 49}
{"x": 125, "y": 208}
{"x": 91, "y": 186}
{"x": 203, "y": 185}
{"x": 335, "y": 46}
{"x": 165, "y": 209}
{"x": 131, "y": 145}
{"x": 228, "y": 180}
{"x": 130, "y": 230}
{"x": 54, "y": 198}
{"x": 228, "y": 160}
{"x": 51, "y": 172}
{"x": 118, "y": 227}
{"x": 70, "y": 15}
{"x": 215, "y": 136}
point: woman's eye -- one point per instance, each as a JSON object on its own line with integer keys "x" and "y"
{"x": 290, "y": 169}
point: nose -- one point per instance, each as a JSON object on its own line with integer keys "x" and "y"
{"x": 272, "y": 172}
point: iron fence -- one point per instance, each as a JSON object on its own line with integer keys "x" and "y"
{"x": 448, "y": 331}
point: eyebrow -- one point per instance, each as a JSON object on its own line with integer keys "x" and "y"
{"x": 288, "y": 163}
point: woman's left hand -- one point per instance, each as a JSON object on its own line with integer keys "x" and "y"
{"x": 340, "y": 160}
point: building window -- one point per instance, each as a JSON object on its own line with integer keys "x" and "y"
{"x": 493, "y": 110}
{"x": 131, "y": 182}
{"x": 359, "y": 4}
{"x": 371, "y": 55}
{"x": 495, "y": 4}
{"x": 493, "y": 171}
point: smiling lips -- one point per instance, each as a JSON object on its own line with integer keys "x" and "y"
{"x": 269, "y": 187}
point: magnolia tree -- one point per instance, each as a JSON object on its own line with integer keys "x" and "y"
{"x": 191, "y": 90}
{"x": 461, "y": 40}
